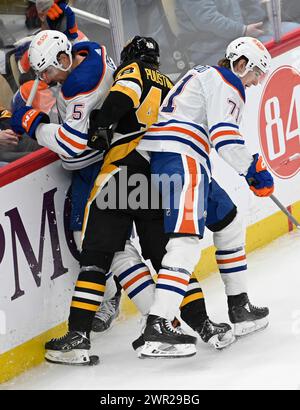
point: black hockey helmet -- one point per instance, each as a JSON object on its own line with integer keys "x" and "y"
{"x": 145, "y": 49}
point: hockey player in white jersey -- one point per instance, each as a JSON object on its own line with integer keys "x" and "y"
{"x": 85, "y": 73}
{"x": 204, "y": 110}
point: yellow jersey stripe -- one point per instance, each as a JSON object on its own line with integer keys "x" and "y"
{"x": 129, "y": 92}
{"x": 191, "y": 298}
{"x": 84, "y": 306}
{"x": 90, "y": 285}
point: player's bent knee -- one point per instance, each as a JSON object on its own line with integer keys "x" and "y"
{"x": 99, "y": 259}
{"x": 232, "y": 237}
{"x": 183, "y": 252}
{"x": 91, "y": 268}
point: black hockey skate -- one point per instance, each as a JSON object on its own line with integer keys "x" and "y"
{"x": 246, "y": 317}
{"x": 140, "y": 341}
{"x": 72, "y": 349}
{"x": 162, "y": 339}
{"x": 109, "y": 311}
{"x": 218, "y": 335}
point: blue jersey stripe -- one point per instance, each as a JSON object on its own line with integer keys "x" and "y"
{"x": 233, "y": 80}
{"x": 108, "y": 275}
{"x": 223, "y": 124}
{"x": 75, "y": 132}
{"x": 64, "y": 147}
{"x": 171, "y": 288}
{"x": 129, "y": 271}
{"x": 140, "y": 288}
{"x": 234, "y": 270}
{"x": 182, "y": 140}
{"x": 162, "y": 124}
{"x": 229, "y": 142}
{"x": 87, "y": 75}
{"x": 83, "y": 158}
{"x": 224, "y": 253}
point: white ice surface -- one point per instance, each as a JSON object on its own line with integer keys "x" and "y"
{"x": 265, "y": 360}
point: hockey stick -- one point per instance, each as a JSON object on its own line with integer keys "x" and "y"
{"x": 32, "y": 92}
{"x": 291, "y": 159}
{"x": 285, "y": 211}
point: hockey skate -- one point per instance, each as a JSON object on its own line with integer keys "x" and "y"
{"x": 163, "y": 340}
{"x": 109, "y": 311}
{"x": 217, "y": 335}
{"x": 246, "y": 318}
{"x": 71, "y": 349}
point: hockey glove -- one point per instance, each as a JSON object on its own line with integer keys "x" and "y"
{"x": 27, "y": 119}
{"x": 259, "y": 178}
{"x": 56, "y": 12}
{"x": 99, "y": 137}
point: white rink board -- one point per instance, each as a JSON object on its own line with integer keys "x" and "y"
{"x": 34, "y": 309}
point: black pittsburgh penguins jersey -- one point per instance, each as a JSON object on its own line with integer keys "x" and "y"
{"x": 132, "y": 105}
{"x": 147, "y": 88}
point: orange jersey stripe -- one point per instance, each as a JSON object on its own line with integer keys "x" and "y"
{"x": 135, "y": 279}
{"x": 241, "y": 258}
{"x": 184, "y": 131}
{"x": 174, "y": 278}
{"x": 70, "y": 141}
{"x": 224, "y": 133}
{"x": 188, "y": 224}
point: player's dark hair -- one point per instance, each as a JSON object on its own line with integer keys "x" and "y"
{"x": 226, "y": 63}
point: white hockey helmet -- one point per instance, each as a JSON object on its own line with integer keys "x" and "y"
{"x": 45, "y": 48}
{"x": 251, "y": 48}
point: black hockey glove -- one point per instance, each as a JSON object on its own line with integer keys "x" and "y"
{"x": 99, "y": 137}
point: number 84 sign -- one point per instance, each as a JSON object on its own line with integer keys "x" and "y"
{"x": 279, "y": 120}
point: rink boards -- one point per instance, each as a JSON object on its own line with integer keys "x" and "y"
{"x": 38, "y": 263}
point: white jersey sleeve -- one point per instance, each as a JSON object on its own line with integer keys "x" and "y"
{"x": 224, "y": 114}
{"x": 70, "y": 138}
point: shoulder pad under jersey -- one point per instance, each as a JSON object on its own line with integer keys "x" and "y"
{"x": 232, "y": 80}
{"x": 88, "y": 74}
{"x": 129, "y": 71}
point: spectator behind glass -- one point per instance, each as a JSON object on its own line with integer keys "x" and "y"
{"x": 32, "y": 20}
{"x": 94, "y": 31}
{"x": 206, "y": 26}
{"x": 11, "y": 146}
{"x": 290, "y": 10}
{"x": 152, "y": 22}
{"x": 257, "y": 9}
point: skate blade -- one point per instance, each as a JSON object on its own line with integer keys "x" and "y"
{"x": 221, "y": 344}
{"x": 153, "y": 350}
{"x": 247, "y": 328}
{"x": 72, "y": 358}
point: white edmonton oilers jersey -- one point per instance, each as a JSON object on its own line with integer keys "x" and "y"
{"x": 202, "y": 111}
{"x": 84, "y": 90}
